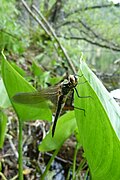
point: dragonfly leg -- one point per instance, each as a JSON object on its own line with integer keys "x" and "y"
{"x": 81, "y": 96}
{"x": 80, "y": 109}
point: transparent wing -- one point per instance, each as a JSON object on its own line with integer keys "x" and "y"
{"x": 50, "y": 93}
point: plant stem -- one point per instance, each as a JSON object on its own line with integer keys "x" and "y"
{"x": 49, "y": 164}
{"x": 74, "y": 161}
{"x": 81, "y": 166}
{"x": 20, "y": 162}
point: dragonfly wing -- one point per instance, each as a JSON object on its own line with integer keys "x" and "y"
{"x": 51, "y": 93}
{"x": 36, "y": 97}
{"x": 28, "y": 98}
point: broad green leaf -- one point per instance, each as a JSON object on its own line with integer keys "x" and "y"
{"x": 3, "y": 123}
{"x": 65, "y": 127}
{"x": 4, "y": 99}
{"x": 100, "y": 128}
{"x": 18, "y": 69}
{"x": 15, "y": 83}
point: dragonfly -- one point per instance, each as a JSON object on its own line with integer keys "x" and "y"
{"x": 57, "y": 94}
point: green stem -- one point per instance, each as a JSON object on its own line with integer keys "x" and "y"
{"x": 2, "y": 175}
{"x": 74, "y": 160}
{"x": 49, "y": 164}
{"x": 20, "y": 162}
{"x": 81, "y": 166}
{"x": 86, "y": 174}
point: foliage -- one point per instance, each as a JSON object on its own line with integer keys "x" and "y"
{"x": 84, "y": 24}
{"x": 4, "y": 102}
{"x": 3, "y": 123}
{"x": 96, "y": 141}
{"x": 98, "y": 129}
{"x": 80, "y": 26}
{"x": 12, "y": 36}
{"x": 61, "y": 134}
{"x": 10, "y": 78}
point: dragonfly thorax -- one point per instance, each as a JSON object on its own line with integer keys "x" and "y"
{"x": 57, "y": 95}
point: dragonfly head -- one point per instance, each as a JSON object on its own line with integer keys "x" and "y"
{"x": 69, "y": 84}
{"x": 73, "y": 80}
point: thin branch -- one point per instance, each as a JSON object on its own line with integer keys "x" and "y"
{"x": 92, "y": 35}
{"x": 49, "y": 33}
{"x": 91, "y": 41}
{"x": 89, "y": 29}
{"x": 35, "y": 17}
{"x": 39, "y": 22}
{"x": 92, "y": 8}
{"x": 56, "y": 38}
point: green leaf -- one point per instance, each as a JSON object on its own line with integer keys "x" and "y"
{"x": 4, "y": 99}
{"x": 18, "y": 69}
{"x": 100, "y": 128}
{"x": 15, "y": 83}
{"x": 65, "y": 127}
{"x": 3, "y": 123}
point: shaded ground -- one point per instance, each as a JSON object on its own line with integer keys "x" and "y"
{"x": 33, "y": 160}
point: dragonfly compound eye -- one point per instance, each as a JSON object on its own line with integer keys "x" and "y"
{"x": 73, "y": 80}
